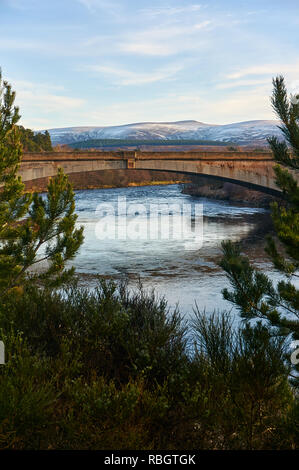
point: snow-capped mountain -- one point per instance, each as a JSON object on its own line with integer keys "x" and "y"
{"x": 241, "y": 132}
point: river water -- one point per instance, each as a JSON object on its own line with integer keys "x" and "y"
{"x": 166, "y": 252}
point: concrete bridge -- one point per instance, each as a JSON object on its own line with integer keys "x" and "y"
{"x": 251, "y": 169}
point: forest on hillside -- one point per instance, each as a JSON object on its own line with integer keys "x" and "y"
{"x": 35, "y": 141}
{"x": 97, "y": 143}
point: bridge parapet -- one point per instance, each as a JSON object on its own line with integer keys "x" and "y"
{"x": 146, "y": 155}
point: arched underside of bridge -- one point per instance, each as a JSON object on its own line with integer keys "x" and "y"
{"x": 246, "y": 184}
{"x": 254, "y": 174}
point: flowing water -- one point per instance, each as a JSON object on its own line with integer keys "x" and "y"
{"x": 182, "y": 269}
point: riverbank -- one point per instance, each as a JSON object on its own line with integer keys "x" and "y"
{"x": 226, "y": 191}
{"x": 107, "y": 179}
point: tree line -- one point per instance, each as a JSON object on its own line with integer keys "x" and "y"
{"x": 35, "y": 141}
{"x": 96, "y": 143}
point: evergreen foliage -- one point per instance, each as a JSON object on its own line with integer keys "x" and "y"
{"x": 109, "y": 369}
{"x": 254, "y": 293}
{"x": 35, "y": 141}
{"x": 32, "y": 227}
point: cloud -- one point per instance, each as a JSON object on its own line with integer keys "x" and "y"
{"x": 57, "y": 48}
{"x": 170, "y": 11}
{"x": 232, "y": 107}
{"x": 108, "y": 6}
{"x": 265, "y": 69}
{"x": 26, "y": 85}
{"x": 126, "y": 77}
{"x": 175, "y": 107}
{"x": 19, "y": 44}
{"x": 92, "y": 4}
{"x": 73, "y": 46}
{"x": 149, "y": 48}
{"x": 43, "y": 98}
{"x": 21, "y": 5}
{"x": 48, "y": 101}
{"x": 243, "y": 83}
{"x": 167, "y": 40}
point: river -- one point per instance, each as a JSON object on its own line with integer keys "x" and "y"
{"x": 179, "y": 267}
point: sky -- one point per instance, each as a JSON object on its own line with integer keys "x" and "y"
{"x": 112, "y": 62}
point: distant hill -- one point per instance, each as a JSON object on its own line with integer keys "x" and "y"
{"x": 241, "y": 133}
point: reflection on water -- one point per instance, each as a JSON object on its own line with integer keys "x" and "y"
{"x": 183, "y": 276}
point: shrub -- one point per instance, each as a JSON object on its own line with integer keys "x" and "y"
{"x": 110, "y": 369}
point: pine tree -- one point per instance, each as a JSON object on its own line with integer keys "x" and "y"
{"x": 253, "y": 292}
{"x": 32, "y": 227}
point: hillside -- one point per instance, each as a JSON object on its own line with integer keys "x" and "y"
{"x": 241, "y": 133}
{"x": 143, "y": 144}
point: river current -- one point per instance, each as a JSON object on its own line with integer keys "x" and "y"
{"x": 179, "y": 264}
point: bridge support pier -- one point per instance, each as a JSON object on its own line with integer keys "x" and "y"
{"x": 131, "y": 163}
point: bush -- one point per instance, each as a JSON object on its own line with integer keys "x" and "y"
{"x": 118, "y": 334}
{"x": 247, "y": 380}
{"x": 110, "y": 369}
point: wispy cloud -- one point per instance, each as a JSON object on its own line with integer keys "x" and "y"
{"x": 167, "y": 40}
{"x": 265, "y": 69}
{"x": 44, "y": 97}
{"x": 109, "y": 6}
{"x": 93, "y": 4}
{"x": 216, "y": 61}
{"x": 70, "y": 47}
{"x": 174, "y": 107}
{"x": 26, "y": 85}
{"x": 170, "y": 10}
{"x": 121, "y": 76}
{"x": 237, "y": 106}
{"x": 20, "y": 4}
{"x": 18, "y": 44}
{"x": 242, "y": 83}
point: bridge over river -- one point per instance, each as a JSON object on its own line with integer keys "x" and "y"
{"x": 251, "y": 169}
